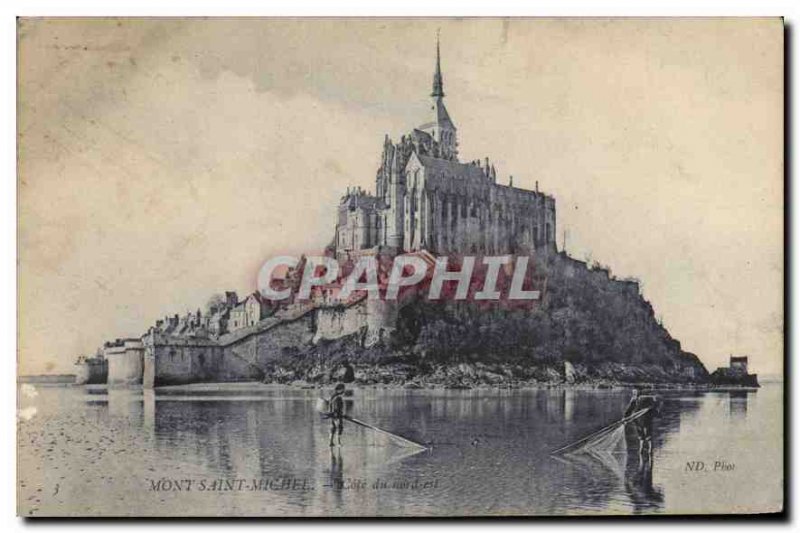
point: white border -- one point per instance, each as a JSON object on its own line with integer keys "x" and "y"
{"x": 10, "y": 9}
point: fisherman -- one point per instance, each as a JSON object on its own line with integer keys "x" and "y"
{"x": 336, "y": 413}
{"x": 643, "y": 425}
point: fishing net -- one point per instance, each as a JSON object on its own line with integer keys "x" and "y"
{"x": 606, "y": 439}
{"x": 369, "y": 437}
{"x": 609, "y": 442}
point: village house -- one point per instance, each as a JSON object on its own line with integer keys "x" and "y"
{"x": 248, "y": 312}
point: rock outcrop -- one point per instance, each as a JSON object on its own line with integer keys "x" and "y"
{"x": 588, "y": 328}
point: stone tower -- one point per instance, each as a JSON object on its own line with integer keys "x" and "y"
{"x": 396, "y": 200}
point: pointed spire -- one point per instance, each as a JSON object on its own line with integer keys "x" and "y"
{"x": 438, "y": 85}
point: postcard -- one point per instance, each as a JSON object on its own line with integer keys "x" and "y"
{"x": 473, "y": 267}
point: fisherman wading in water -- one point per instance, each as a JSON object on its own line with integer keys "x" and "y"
{"x": 644, "y": 424}
{"x": 336, "y": 413}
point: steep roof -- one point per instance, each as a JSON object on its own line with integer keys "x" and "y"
{"x": 451, "y": 168}
{"x": 221, "y": 314}
{"x": 441, "y": 115}
{"x": 253, "y": 295}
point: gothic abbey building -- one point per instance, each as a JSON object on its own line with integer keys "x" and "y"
{"x": 426, "y": 202}
{"x": 426, "y": 199}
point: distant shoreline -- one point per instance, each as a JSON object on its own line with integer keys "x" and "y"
{"x": 501, "y": 386}
{"x": 235, "y": 386}
{"x": 46, "y": 378}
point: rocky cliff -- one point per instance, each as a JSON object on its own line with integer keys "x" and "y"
{"x": 588, "y": 327}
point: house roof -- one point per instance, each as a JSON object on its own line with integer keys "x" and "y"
{"x": 256, "y": 295}
{"x": 219, "y": 315}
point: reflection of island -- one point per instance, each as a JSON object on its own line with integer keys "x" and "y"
{"x": 149, "y": 407}
{"x": 124, "y": 404}
{"x": 737, "y": 403}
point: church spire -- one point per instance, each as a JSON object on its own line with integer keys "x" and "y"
{"x": 441, "y": 128}
{"x": 438, "y": 86}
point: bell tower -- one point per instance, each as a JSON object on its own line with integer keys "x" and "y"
{"x": 442, "y": 128}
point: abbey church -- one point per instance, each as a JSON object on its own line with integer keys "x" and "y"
{"x": 427, "y": 199}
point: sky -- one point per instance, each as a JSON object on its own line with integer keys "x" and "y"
{"x": 164, "y": 160}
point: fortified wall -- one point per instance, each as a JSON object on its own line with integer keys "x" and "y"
{"x": 91, "y": 371}
{"x": 374, "y": 320}
{"x": 248, "y": 353}
{"x": 170, "y": 360}
{"x": 125, "y": 361}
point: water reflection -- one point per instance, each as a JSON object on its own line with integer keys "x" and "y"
{"x": 126, "y": 404}
{"x": 149, "y": 408}
{"x": 486, "y": 438}
{"x": 644, "y": 496}
{"x": 569, "y": 405}
{"x": 737, "y": 403}
{"x": 490, "y": 450}
{"x": 603, "y": 475}
{"x": 336, "y": 473}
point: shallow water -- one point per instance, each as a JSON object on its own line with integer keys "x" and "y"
{"x": 257, "y": 450}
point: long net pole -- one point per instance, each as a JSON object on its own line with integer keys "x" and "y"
{"x": 387, "y": 433}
